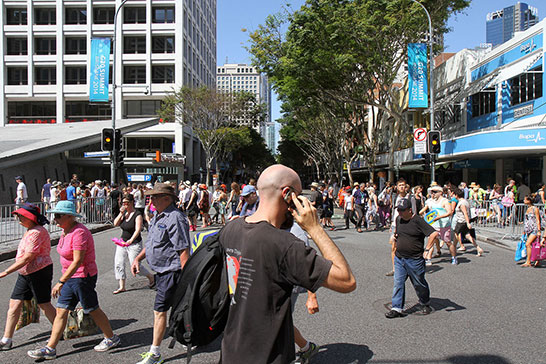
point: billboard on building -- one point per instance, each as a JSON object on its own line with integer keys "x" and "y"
{"x": 100, "y": 61}
{"x": 417, "y": 74}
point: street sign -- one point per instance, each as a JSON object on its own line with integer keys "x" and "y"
{"x": 419, "y": 141}
{"x": 96, "y": 154}
{"x": 139, "y": 177}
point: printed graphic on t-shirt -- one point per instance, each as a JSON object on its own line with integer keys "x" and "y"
{"x": 240, "y": 271}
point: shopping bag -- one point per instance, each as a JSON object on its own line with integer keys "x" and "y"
{"x": 79, "y": 324}
{"x": 537, "y": 252}
{"x": 30, "y": 314}
{"x": 521, "y": 250}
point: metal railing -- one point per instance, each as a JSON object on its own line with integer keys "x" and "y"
{"x": 94, "y": 210}
{"x": 506, "y": 221}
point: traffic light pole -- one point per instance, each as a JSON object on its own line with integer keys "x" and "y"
{"x": 431, "y": 82}
{"x": 113, "y": 154}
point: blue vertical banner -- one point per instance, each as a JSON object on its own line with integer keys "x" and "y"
{"x": 417, "y": 73}
{"x": 100, "y": 61}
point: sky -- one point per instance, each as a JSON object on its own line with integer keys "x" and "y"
{"x": 468, "y": 27}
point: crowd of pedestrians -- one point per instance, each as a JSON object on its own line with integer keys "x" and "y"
{"x": 267, "y": 236}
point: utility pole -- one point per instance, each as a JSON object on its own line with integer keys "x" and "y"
{"x": 431, "y": 82}
{"x": 114, "y": 154}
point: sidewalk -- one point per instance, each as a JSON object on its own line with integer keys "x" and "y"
{"x": 8, "y": 250}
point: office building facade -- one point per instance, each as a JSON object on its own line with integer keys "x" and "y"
{"x": 501, "y": 25}
{"x": 160, "y": 46}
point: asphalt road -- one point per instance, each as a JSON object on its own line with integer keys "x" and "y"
{"x": 486, "y": 310}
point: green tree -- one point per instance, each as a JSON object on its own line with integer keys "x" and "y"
{"x": 346, "y": 55}
{"x": 209, "y": 112}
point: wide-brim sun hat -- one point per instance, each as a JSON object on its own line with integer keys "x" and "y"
{"x": 64, "y": 207}
{"x": 162, "y": 189}
{"x": 314, "y": 184}
{"x": 31, "y": 212}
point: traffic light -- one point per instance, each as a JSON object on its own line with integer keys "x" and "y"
{"x": 107, "y": 141}
{"x": 426, "y": 165}
{"x": 434, "y": 145}
{"x": 120, "y": 156}
{"x": 119, "y": 140}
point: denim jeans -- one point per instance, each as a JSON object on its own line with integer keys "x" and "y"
{"x": 415, "y": 270}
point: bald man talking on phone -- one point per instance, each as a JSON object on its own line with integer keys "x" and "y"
{"x": 265, "y": 261}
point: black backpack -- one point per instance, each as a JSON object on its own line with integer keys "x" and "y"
{"x": 201, "y": 301}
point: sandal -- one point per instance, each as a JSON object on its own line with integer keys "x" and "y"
{"x": 525, "y": 265}
{"x": 119, "y": 290}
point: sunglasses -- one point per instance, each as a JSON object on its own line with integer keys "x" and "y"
{"x": 58, "y": 216}
{"x": 157, "y": 196}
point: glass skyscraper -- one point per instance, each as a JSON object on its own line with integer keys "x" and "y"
{"x": 501, "y": 25}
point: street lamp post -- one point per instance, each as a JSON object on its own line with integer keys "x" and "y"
{"x": 114, "y": 154}
{"x": 431, "y": 61}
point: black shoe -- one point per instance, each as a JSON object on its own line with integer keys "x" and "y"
{"x": 394, "y": 314}
{"x": 425, "y": 309}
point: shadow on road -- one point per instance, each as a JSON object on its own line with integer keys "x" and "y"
{"x": 341, "y": 353}
{"x": 458, "y": 359}
{"x": 210, "y": 348}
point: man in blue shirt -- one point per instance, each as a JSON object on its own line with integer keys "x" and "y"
{"x": 251, "y": 199}
{"x": 46, "y": 193}
{"x": 166, "y": 251}
{"x": 71, "y": 191}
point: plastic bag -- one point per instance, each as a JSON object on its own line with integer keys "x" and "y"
{"x": 521, "y": 250}
{"x": 79, "y": 324}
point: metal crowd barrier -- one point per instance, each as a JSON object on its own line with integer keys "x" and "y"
{"x": 495, "y": 218}
{"x": 94, "y": 210}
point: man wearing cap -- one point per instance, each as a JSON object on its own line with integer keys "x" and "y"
{"x": 440, "y": 220}
{"x": 22, "y": 195}
{"x": 409, "y": 237}
{"x": 166, "y": 251}
{"x": 251, "y": 201}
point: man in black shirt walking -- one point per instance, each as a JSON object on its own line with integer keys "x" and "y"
{"x": 410, "y": 234}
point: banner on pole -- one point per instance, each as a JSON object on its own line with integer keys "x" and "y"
{"x": 417, "y": 73}
{"x": 100, "y": 62}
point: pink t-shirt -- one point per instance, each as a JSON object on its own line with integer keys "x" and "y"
{"x": 35, "y": 240}
{"x": 79, "y": 238}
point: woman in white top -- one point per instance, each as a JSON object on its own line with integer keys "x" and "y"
{"x": 140, "y": 199}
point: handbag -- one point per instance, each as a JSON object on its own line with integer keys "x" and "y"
{"x": 537, "y": 252}
{"x": 521, "y": 250}
{"x": 30, "y": 314}
{"x": 79, "y": 324}
{"x": 507, "y": 201}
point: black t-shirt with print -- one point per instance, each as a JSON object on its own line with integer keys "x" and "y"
{"x": 264, "y": 263}
{"x": 411, "y": 236}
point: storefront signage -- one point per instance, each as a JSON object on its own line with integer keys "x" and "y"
{"x": 533, "y": 138}
{"x": 527, "y": 47}
{"x": 100, "y": 61}
{"x": 417, "y": 74}
{"x": 139, "y": 177}
{"x": 522, "y": 111}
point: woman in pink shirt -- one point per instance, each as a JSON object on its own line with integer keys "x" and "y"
{"x": 35, "y": 270}
{"x": 77, "y": 283}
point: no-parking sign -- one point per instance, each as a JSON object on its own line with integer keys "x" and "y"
{"x": 419, "y": 141}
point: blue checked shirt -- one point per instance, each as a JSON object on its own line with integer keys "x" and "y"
{"x": 168, "y": 235}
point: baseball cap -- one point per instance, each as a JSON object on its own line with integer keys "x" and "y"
{"x": 247, "y": 190}
{"x": 403, "y": 204}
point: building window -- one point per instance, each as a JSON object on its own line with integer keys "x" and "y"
{"x": 17, "y": 76}
{"x": 526, "y": 87}
{"x": 134, "y": 15}
{"x": 163, "y": 44}
{"x": 31, "y": 112}
{"x": 16, "y": 16}
{"x": 84, "y": 111}
{"x": 484, "y": 102}
{"x": 139, "y": 108}
{"x": 45, "y": 45}
{"x": 103, "y": 15}
{"x": 45, "y": 75}
{"x": 134, "y": 74}
{"x": 75, "y": 16}
{"x": 162, "y": 15}
{"x": 75, "y": 45}
{"x": 17, "y": 46}
{"x": 75, "y": 75}
{"x": 134, "y": 45}
{"x": 45, "y": 16}
{"x": 162, "y": 74}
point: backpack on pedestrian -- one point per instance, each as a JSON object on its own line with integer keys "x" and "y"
{"x": 201, "y": 301}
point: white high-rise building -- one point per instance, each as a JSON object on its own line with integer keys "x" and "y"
{"x": 160, "y": 46}
{"x": 242, "y": 77}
